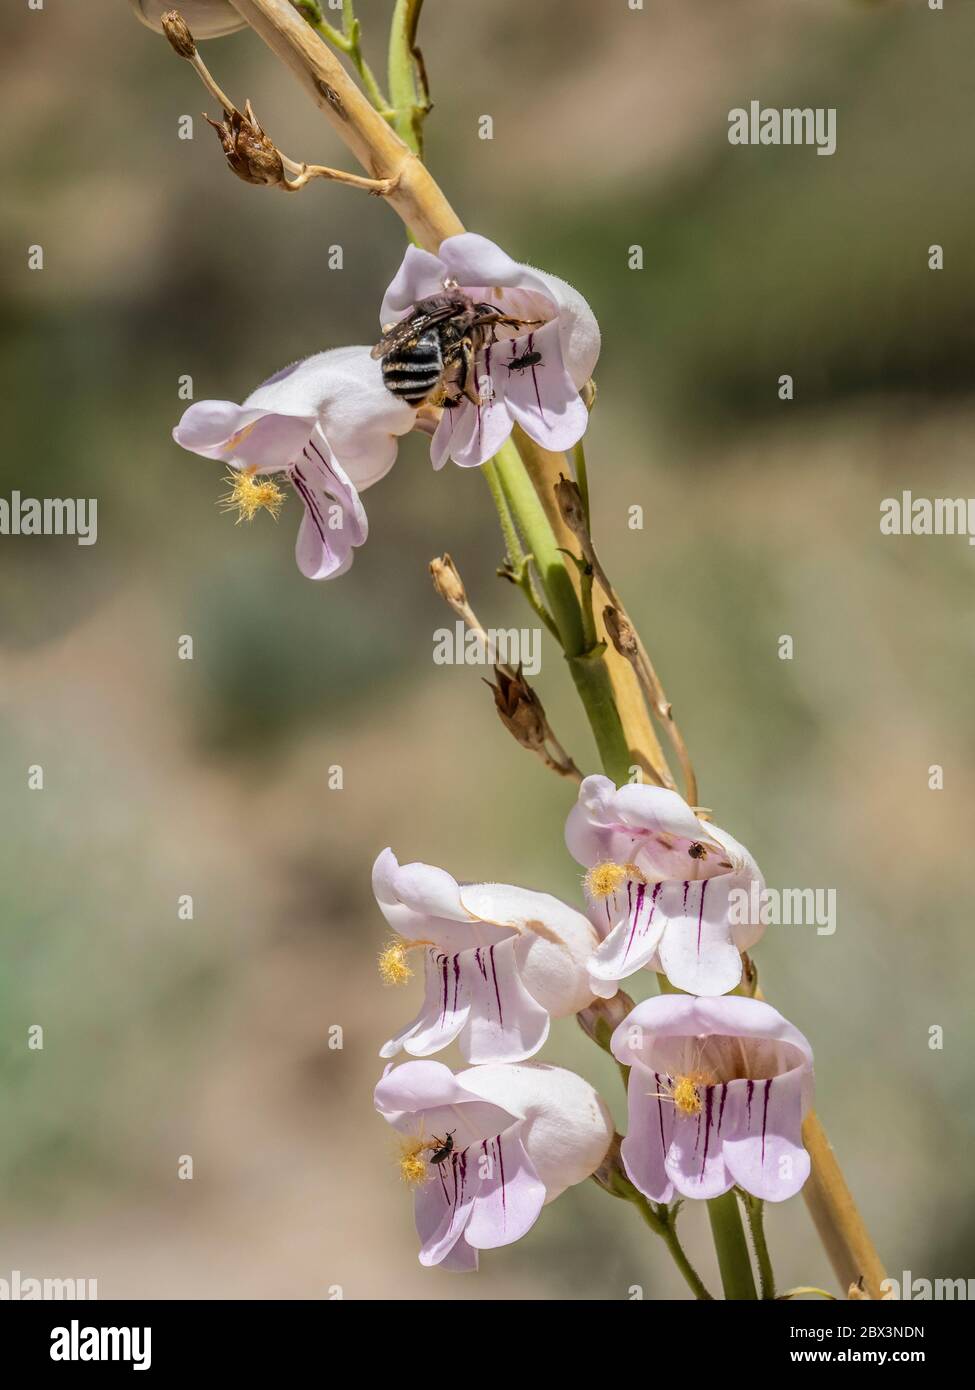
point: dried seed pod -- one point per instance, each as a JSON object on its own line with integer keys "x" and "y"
{"x": 250, "y": 154}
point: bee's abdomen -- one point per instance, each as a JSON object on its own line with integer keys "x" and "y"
{"x": 413, "y": 372}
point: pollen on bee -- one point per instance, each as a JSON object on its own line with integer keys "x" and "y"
{"x": 249, "y": 495}
{"x": 413, "y": 1167}
{"x": 394, "y": 969}
{"x": 603, "y": 880}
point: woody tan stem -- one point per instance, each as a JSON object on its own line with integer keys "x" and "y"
{"x": 834, "y": 1212}
{"x": 645, "y": 751}
{"x": 418, "y": 200}
{"x": 415, "y": 197}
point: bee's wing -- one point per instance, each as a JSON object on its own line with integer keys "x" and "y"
{"x": 409, "y": 329}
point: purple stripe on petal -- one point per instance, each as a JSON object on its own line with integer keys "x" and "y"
{"x": 768, "y": 1087}
{"x": 504, "y": 1200}
{"x": 635, "y": 914}
{"x": 708, "y": 1102}
{"x": 497, "y": 991}
{"x": 538, "y": 397}
{"x": 724, "y": 1097}
{"x": 700, "y": 916}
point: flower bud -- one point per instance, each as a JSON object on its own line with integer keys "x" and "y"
{"x": 447, "y": 581}
{"x": 611, "y": 1175}
{"x": 176, "y": 30}
{"x": 603, "y": 1016}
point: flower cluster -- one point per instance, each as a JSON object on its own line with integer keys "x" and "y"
{"x": 328, "y": 426}
{"x": 718, "y": 1083}
{"x": 473, "y": 344}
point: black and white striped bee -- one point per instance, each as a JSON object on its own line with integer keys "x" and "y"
{"x": 431, "y": 355}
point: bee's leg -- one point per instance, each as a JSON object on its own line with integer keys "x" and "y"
{"x": 468, "y": 372}
{"x": 495, "y": 318}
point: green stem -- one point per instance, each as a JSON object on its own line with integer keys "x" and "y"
{"x": 540, "y": 540}
{"x": 592, "y": 681}
{"x": 513, "y": 548}
{"x": 755, "y": 1212}
{"x": 407, "y": 85}
{"x": 665, "y": 1227}
{"x": 586, "y": 662}
{"x": 518, "y": 569}
{"x": 734, "y": 1263}
{"x": 346, "y": 40}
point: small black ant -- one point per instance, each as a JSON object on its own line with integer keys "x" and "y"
{"x": 442, "y": 1148}
{"x": 522, "y": 363}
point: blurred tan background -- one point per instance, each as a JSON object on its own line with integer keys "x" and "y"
{"x": 164, "y": 777}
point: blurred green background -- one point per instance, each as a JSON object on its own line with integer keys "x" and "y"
{"x": 210, "y": 777}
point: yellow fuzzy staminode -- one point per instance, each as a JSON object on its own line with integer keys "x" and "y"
{"x": 686, "y": 1095}
{"x": 393, "y": 966}
{"x": 249, "y": 495}
{"x": 685, "y": 1091}
{"x": 413, "y": 1167}
{"x": 603, "y": 880}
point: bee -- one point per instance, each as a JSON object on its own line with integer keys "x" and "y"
{"x": 442, "y": 1148}
{"x": 526, "y": 360}
{"x": 436, "y": 344}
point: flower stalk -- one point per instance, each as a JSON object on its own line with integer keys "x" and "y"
{"x": 620, "y": 724}
{"x": 662, "y": 1220}
{"x": 734, "y": 1263}
{"x": 755, "y": 1212}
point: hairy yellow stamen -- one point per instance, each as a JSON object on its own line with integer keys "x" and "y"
{"x": 603, "y": 880}
{"x": 249, "y": 495}
{"x": 414, "y": 1169}
{"x": 393, "y": 965}
{"x": 394, "y": 969}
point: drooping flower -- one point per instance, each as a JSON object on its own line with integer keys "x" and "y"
{"x": 325, "y": 425}
{"x": 667, "y": 890}
{"x": 486, "y": 1149}
{"x": 717, "y": 1093}
{"x": 500, "y": 961}
{"x": 531, "y": 376}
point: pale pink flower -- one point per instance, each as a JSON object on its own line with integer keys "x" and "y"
{"x": 515, "y": 1138}
{"x": 659, "y": 885}
{"x": 543, "y": 397}
{"x": 328, "y": 427}
{"x": 500, "y": 961}
{"x": 717, "y": 1093}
